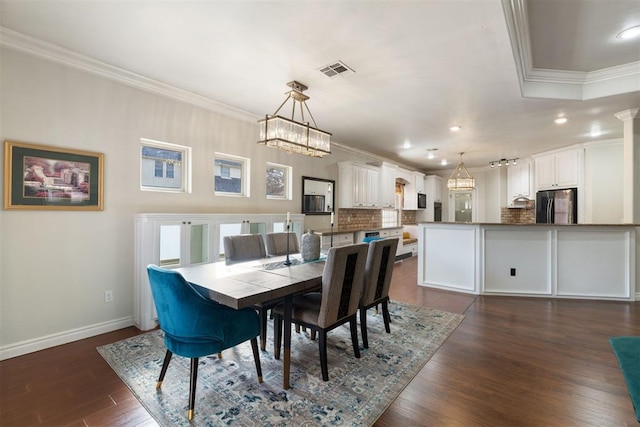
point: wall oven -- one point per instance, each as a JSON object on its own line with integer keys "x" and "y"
{"x": 422, "y": 201}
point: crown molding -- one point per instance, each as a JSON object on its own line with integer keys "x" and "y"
{"x": 629, "y": 114}
{"x": 35, "y": 47}
{"x": 561, "y": 84}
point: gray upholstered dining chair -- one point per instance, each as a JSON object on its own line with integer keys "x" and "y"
{"x": 247, "y": 247}
{"x": 377, "y": 280}
{"x": 277, "y": 243}
{"x": 337, "y": 304}
{"x": 243, "y": 247}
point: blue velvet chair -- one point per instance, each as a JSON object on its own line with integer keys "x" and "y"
{"x": 195, "y": 326}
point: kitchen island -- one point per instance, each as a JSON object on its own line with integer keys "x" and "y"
{"x": 544, "y": 260}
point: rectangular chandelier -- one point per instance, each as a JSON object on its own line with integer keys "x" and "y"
{"x": 461, "y": 179}
{"x": 293, "y": 136}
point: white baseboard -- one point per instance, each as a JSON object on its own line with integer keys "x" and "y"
{"x": 37, "y": 344}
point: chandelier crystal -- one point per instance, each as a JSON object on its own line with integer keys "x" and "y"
{"x": 461, "y": 179}
{"x": 294, "y": 136}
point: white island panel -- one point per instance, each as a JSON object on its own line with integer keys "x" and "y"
{"x": 527, "y": 251}
{"x": 594, "y": 263}
{"x": 557, "y": 261}
{"x": 451, "y": 261}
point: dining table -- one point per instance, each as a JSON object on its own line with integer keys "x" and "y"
{"x": 245, "y": 284}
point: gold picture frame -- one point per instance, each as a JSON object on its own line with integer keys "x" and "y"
{"x": 39, "y": 177}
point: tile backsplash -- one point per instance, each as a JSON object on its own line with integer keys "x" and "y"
{"x": 363, "y": 219}
{"x": 526, "y": 215}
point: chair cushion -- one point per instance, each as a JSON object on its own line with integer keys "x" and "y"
{"x": 306, "y": 308}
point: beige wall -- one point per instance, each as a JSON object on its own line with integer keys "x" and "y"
{"x": 56, "y": 265}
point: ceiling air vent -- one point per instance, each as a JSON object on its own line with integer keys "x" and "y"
{"x": 337, "y": 68}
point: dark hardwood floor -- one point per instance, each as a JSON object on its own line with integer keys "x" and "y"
{"x": 511, "y": 362}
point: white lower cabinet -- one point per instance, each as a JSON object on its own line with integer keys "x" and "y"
{"x": 342, "y": 239}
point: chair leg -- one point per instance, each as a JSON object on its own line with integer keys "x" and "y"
{"x": 256, "y": 358}
{"x": 363, "y": 327}
{"x": 192, "y": 387}
{"x": 165, "y": 365}
{"x": 386, "y": 316}
{"x": 322, "y": 347}
{"x": 354, "y": 336}
{"x": 263, "y": 328}
{"x": 312, "y": 335}
{"x": 277, "y": 335}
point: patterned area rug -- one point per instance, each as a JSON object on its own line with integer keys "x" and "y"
{"x": 357, "y": 393}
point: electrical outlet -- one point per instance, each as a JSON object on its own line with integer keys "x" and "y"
{"x": 513, "y": 271}
{"x": 108, "y": 296}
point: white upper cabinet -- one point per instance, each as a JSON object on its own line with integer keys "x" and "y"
{"x": 359, "y": 185}
{"x": 387, "y": 185}
{"x": 519, "y": 181}
{"x": 433, "y": 188}
{"x": 418, "y": 179}
{"x": 558, "y": 170}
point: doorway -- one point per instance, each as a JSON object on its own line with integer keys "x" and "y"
{"x": 462, "y": 206}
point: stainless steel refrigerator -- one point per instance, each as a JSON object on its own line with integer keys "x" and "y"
{"x": 557, "y": 206}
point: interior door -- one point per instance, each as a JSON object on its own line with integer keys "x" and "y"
{"x": 461, "y": 206}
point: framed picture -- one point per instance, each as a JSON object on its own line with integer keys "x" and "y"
{"x": 43, "y": 177}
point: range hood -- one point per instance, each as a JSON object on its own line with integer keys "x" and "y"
{"x": 520, "y": 203}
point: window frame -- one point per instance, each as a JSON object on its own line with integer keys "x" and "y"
{"x": 245, "y": 175}
{"x": 288, "y": 186}
{"x": 186, "y": 172}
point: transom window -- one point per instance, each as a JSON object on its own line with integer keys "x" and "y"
{"x": 231, "y": 175}
{"x": 164, "y": 166}
{"x": 278, "y": 181}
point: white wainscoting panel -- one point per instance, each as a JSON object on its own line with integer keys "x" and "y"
{"x": 450, "y": 259}
{"x": 595, "y": 263}
{"x": 528, "y": 251}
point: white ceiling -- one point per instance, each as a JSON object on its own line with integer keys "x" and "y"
{"x": 420, "y": 66}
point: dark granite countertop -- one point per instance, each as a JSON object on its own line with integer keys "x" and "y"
{"x": 529, "y": 224}
{"x": 348, "y": 230}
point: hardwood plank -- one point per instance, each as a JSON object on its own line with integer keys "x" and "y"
{"x": 512, "y": 361}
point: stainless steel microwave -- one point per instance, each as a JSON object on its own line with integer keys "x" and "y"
{"x": 422, "y": 201}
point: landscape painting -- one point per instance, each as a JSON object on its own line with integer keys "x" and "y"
{"x": 40, "y": 177}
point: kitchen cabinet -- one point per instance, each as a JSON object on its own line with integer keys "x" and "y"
{"x": 414, "y": 186}
{"x": 560, "y": 169}
{"x": 519, "y": 181}
{"x": 359, "y": 185}
{"x": 433, "y": 188}
{"x": 418, "y": 179}
{"x": 339, "y": 239}
{"x": 387, "y": 185}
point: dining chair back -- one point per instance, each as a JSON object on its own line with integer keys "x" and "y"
{"x": 195, "y": 326}
{"x": 377, "y": 281}
{"x": 277, "y": 243}
{"x": 243, "y": 247}
{"x": 337, "y": 304}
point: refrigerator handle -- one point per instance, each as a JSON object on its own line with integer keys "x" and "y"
{"x": 550, "y": 210}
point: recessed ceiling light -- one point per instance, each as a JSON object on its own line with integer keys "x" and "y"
{"x": 432, "y": 153}
{"x": 595, "y": 132}
{"x": 455, "y": 128}
{"x": 629, "y": 33}
{"x": 406, "y": 144}
{"x": 444, "y": 162}
{"x": 560, "y": 120}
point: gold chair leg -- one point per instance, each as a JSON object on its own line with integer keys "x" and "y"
{"x": 220, "y": 355}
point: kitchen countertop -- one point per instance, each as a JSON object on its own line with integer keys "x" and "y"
{"x": 527, "y": 224}
{"x": 346, "y": 230}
